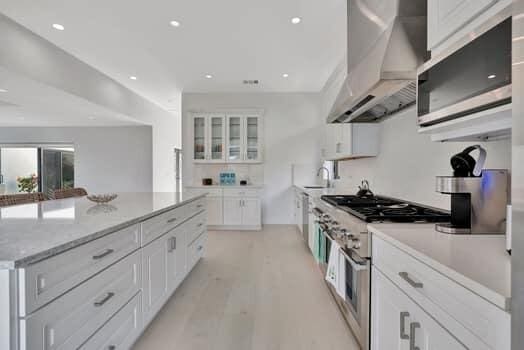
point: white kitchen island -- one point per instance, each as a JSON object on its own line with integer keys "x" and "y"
{"x": 74, "y": 274}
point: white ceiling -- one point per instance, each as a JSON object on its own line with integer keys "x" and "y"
{"x": 30, "y": 103}
{"x": 231, "y": 39}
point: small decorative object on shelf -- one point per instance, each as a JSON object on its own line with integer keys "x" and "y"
{"x": 102, "y": 198}
{"x": 227, "y": 178}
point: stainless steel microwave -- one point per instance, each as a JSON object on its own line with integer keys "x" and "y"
{"x": 473, "y": 78}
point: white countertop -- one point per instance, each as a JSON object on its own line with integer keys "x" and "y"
{"x": 225, "y": 186}
{"x": 32, "y": 232}
{"x": 480, "y": 263}
{"x": 318, "y": 192}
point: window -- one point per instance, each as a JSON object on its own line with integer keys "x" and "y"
{"x": 36, "y": 168}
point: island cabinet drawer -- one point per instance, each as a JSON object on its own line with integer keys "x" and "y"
{"x": 69, "y": 321}
{"x": 44, "y": 281}
{"x": 158, "y": 225}
{"x": 464, "y": 313}
{"x": 196, "y": 250}
{"x": 209, "y": 191}
{"x": 121, "y": 331}
{"x": 194, "y": 227}
{"x": 241, "y": 192}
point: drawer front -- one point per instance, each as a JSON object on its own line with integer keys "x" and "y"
{"x": 196, "y": 250}
{"x": 241, "y": 192}
{"x": 447, "y": 301}
{"x": 122, "y": 329}
{"x": 160, "y": 224}
{"x": 44, "y": 281}
{"x": 69, "y": 321}
{"x": 210, "y": 191}
{"x": 194, "y": 227}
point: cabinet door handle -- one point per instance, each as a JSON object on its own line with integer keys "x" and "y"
{"x": 403, "y": 316}
{"x": 199, "y": 248}
{"x": 172, "y": 244}
{"x": 103, "y": 254}
{"x": 104, "y": 300}
{"x": 412, "y": 329}
{"x": 111, "y": 347}
{"x": 200, "y": 206}
{"x": 200, "y": 225}
{"x": 414, "y": 284}
{"x": 170, "y": 221}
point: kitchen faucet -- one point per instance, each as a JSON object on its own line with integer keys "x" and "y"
{"x": 328, "y": 183}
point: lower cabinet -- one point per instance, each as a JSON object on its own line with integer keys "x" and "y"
{"x": 397, "y": 322}
{"x": 242, "y": 211}
{"x": 233, "y": 207}
{"x": 121, "y": 331}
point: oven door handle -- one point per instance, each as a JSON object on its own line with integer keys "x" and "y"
{"x": 357, "y": 266}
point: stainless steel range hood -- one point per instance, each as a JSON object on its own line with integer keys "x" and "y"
{"x": 386, "y": 45}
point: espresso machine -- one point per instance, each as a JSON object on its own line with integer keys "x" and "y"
{"x": 479, "y": 197}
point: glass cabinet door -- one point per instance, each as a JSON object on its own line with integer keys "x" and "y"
{"x": 199, "y": 127}
{"x": 217, "y": 137}
{"x": 234, "y": 138}
{"x": 252, "y": 138}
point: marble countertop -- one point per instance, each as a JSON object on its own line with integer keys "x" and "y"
{"x": 318, "y": 192}
{"x": 32, "y": 232}
{"x": 480, "y": 263}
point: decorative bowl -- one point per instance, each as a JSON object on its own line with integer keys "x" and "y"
{"x": 102, "y": 198}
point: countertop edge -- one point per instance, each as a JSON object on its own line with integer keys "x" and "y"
{"x": 493, "y": 297}
{"x": 26, "y": 261}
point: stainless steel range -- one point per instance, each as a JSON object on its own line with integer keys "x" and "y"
{"x": 344, "y": 218}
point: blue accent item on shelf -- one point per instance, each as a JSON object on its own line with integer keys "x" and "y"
{"x": 227, "y": 178}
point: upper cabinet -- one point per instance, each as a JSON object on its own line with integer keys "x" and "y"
{"x": 447, "y": 18}
{"x": 351, "y": 140}
{"x": 231, "y": 138}
{"x": 209, "y": 138}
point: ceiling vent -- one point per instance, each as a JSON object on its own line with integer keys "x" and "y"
{"x": 251, "y": 82}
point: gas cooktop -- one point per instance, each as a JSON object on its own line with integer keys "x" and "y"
{"x": 377, "y": 209}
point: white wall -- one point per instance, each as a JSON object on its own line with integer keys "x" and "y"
{"x": 26, "y": 53}
{"x": 107, "y": 159}
{"x": 408, "y": 163}
{"x": 292, "y": 135}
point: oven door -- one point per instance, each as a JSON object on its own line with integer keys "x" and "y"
{"x": 356, "y": 307}
{"x": 475, "y": 77}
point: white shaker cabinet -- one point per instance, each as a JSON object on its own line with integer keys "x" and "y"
{"x": 399, "y": 323}
{"x": 251, "y": 212}
{"x": 215, "y": 211}
{"x": 447, "y": 17}
{"x": 244, "y": 134}
{"x": 155, "y": 276}
{"x": 242, "y": 211}
{"x": 232, "y": 211}
{"x": 348, "y": 140}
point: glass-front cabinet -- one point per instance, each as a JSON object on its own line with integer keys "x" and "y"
{"x": 221, "y": 138}
{"x": 209, "y": 136}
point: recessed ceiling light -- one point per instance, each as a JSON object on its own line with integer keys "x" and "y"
{"x": 133, "y": 77}
{"x": 285, "y": 75}
{"x": 3, "y": 90}
{"x": 175, "y": 23}
{"x": 58, "y": 26}
{"x": 209, "y": 76}
{"x": 492, "y": 76}
{"x": 296, "y": 20}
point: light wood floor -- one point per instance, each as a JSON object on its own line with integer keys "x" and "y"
{"x": 253, "y": 290}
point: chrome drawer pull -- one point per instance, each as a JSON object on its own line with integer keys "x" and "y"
{"x": 103, "y": 254}
{"x": 172, "y": 244}
{"x": 200, "y": 206}
{"x": 403, "y": 316}
{"x": 108, "y": 296}
{"x": 412, "y": 283}
{"x": 170, "y": 221}
{"x": 412, "y": 329}
{"x": 200, "y": 248}
{"x": 111, "y": 347}
{"x": 200, "y": 225}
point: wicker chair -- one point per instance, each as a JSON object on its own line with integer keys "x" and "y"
{"x": 69, "y": 192}
{"x": 21, "y": 198}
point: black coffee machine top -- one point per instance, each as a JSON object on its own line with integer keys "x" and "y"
{"x": 464, "y": 165}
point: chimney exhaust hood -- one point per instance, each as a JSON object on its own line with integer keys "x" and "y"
{"x": 386, "y": 45}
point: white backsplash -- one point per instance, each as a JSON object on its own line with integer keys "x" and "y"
{"x": 253, "y": 173}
